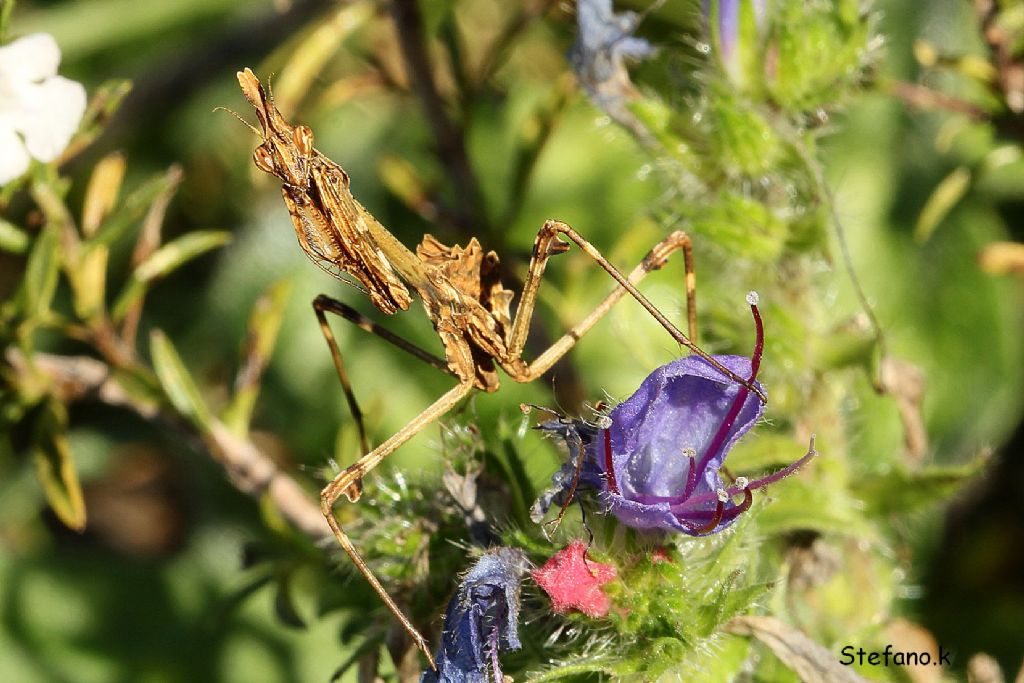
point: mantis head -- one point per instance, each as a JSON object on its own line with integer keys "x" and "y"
{"x": 286, "y": 150}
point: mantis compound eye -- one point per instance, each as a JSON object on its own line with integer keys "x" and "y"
{"x": 303, "y": 137}
{"x": 261, "y": 157}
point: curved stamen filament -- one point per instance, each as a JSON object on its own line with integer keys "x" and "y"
{"x": 691, "y": 474}
{"x": 741, "y": 398}
{"x": 609, "y": 466}
{"x": 715, "y": 518}
{"x": 748, "y": 499}
{"x": 785, "y": 471}
{"x": 733, "y": 512}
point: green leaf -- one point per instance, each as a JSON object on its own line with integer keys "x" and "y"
{"x": 41, "y": 275}
{"x": 743, "y": 225}
{"x": 763, "y": 452}
{"x": 105, "y": 102}
{"x": 284, "y": 605}
{"x": 264, "y": 324}
{"x": 576, "y": 668}
{"x": 844, "y": 347}
{"x": 5, "y": 18}
{"x": 164, "y": 261}
{"x": 12, "y": 238}
{"x": 719, "y": 663}
{"x": 901, "y": 491}
{"x": 177, "y": 382}
{"x": 797, "y": 505}
{"x": 182, "y": 250}
{"x": 942, "y": 200}
{"x": 55, "y": 467}
{"x": 742, "y": 140}
{"x": 818, "y": 54}
{"x": 132, "y": 210}
{"x": 504, "y": 455}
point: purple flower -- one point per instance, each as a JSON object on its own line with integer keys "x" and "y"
{"x": 603, "y": 43}
{"x": 656, "y": 458}
{"x": 727, "y": 22}
{"x": 482, "y": 619}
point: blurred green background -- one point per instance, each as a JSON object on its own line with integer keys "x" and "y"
{"x": 164, "y": 586}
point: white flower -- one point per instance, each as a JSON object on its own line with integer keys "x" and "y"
{"x": 39, "y": 110}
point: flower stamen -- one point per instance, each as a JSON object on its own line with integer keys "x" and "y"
{"x": 609, "y": 466}
{"x": 785, "y": 471}
{"x": 748, "y": 499}
{"x": 691, "y": 474}
{"x": 715, "y": 518}
{"x": 741, "y": 396}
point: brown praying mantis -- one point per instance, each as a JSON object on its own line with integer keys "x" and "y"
{"x": 458, "y": 287}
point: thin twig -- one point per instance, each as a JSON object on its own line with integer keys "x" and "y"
{"x": 924, "y": 98}
{"x": 78, "y": 378}
{"x": 499, "y": 49}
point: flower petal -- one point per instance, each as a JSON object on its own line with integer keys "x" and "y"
{"x": 49, "y": 115}
{"x": 13, "y": 157}
{"x": 482, "y": 618}
{"x": 679, "y": 406}
{"x": 643, "y": 516}
{"x": 603, "y": 43}
{"x": 30, "y": 58}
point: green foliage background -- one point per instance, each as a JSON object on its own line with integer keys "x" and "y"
{"x": 219, "y": 589}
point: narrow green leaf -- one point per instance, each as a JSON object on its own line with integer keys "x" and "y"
{"x": 105, "y": 102}
{"x": 720, "y": 663}
{"x": 164, "y": 261}
{"x": 6, "y": 6}
{"x": 41, "y": 275}
{"x": 592, "y": 666}
{"x": 177, "y": 382}
{"x": 798, "y": 505}
{"x": 503, "y": 454}
{"x": 12, "y": 238}
{"x": 133, "y": 291}
{"x": 131, "y": 211}
{"x": 182, "y": 250}
{"x": 55, "y": 467}
{"x": 742, "y": 225}
{"x": 901, "y": 491}
{"x": 264, "y": 324}
{"x": 945, "y": 196}
{"x": 284, "y": 605}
